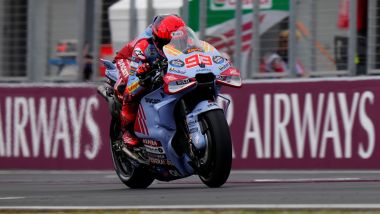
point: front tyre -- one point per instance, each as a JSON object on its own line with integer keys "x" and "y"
{"x": 132, "y": 176}
{"x": 216, "y": 167}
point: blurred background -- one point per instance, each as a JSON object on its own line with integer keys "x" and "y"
{"x": 55, "y": 40}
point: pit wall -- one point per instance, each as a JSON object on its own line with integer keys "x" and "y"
{"x": 275, "y": 124}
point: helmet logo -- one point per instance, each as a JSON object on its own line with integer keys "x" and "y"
{"x": 177, "y": 34}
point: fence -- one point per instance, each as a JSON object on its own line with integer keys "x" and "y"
{"x": 373, "y": 51}
{"x": 13, "y": 24}
{"x": 53, "y": 40}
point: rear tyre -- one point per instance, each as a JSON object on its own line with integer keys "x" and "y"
{"x": 132, "y": 176}
{"x": 215, "y": 169}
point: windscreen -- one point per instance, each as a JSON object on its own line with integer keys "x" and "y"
{"x": 185, "y": 41}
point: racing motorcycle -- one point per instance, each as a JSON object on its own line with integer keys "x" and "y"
{"x": 182, "y": 128}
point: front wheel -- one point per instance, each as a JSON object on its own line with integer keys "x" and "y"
{"x": 132, "y": 176}
{"x": 216, "y": 166}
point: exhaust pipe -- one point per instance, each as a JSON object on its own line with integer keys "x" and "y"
{"x": 133, "y": 156}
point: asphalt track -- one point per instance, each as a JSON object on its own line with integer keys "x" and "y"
{"x": 244, "y": 189}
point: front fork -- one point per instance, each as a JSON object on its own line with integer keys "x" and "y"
{"x": 197, "y": 129}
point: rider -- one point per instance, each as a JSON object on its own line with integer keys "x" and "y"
{"x": 138, "y": 56}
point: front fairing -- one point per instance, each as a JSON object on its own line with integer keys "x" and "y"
{"x": 188, "y": 56}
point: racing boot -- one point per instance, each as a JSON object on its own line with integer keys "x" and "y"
{"x": 128, "y": 117}
{"x": 129, "y": 138}
{"x": 132, "y": 145}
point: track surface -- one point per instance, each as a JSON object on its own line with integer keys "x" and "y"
{"x": 103, "y": 188}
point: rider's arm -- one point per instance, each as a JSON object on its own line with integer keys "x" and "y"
{"x": 129, "y": 56}
{"x": 138, "y": 55}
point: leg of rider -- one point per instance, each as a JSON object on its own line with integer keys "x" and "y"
{"x": 128, "y": 117}
{"x": 129, "y": 111}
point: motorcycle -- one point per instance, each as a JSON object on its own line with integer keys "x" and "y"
{"x": 182, "y": 128}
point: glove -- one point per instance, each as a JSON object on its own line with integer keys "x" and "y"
{"x": 143, "y": 68}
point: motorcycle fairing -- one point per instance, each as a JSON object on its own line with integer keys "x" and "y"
{"x": 111, "y": 70}
{"x": 159, "y": 162}
{"x": 162, "y": 128}
{"x": 188, "y": 59}
{"x": 190, "y": 69}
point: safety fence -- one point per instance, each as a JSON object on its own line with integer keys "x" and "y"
{"x": 13, "y": 38}
{"x": 373, "y": 51}
{"x": 53, "y": 40}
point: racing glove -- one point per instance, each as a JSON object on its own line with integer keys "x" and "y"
{"x": 143, "y": 68}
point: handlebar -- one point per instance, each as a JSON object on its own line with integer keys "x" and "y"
{"x": 155, "y": 75}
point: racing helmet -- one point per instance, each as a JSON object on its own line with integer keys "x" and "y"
{"x": 163, "y": 26}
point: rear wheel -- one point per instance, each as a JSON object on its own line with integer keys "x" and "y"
{"x": 215, "y": 166}
{"x": 132, "y": 176}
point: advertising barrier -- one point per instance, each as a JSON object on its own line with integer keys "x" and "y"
{"x": 328, "y": 124}
{"x": 277, "y": 124}
{"x": 53, "y": 127}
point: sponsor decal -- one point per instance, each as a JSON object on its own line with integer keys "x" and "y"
{"x": 151, "y": 142}
{"x": 218, "y": 59}
{"x": 212, "y": 105}
{"x": 234, "y": 71}
{"x": 203, "y": 70}
{"x": 183, "y": 82}
{"x": 171, "y": 69}
{"x": 156, "y": 156}
{"x": 198, "y": 60}
{"x": 123, "y": 67}
{"x": 191, "y": 50}
{"x": 152, "y": 100}
{"x": 222, "y": 77}
{"x": 49, "y": 128}
{"x": 174, "y": 172}
{"x": 154, "y": 150}
{"x": 158, "y": 161}
{"x": 224, "y": 67}
{"x": 170, "y": 77}
{"x": 176, "y": 63}
{"x": 133, "y": 86}
{"x": 139, "y": 53}
{"x": 177, "y": 34}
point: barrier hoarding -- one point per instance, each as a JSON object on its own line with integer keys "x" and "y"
{"x": 329, "y": 124}
{"x": 57, "y": 127}
{"x": 314, "y": 124}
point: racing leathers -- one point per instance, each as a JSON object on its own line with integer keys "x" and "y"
{"x": 137, "y": 56}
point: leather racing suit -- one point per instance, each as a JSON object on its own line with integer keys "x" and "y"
{"x": 136, "y": 56}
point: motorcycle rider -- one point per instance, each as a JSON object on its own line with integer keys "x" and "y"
{"x": 138, "y": 56}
